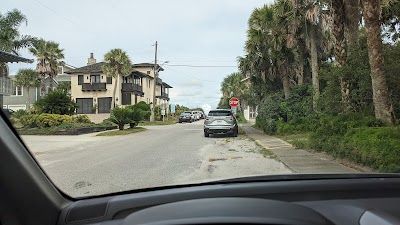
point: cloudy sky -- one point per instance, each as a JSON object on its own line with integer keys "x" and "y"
{"x": 189, "y": 32}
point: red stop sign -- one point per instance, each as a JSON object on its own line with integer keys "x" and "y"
{"x": 233, "y": 102}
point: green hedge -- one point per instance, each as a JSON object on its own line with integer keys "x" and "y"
{"x": 378, "y": 147}
{"x": 50, "y": 120}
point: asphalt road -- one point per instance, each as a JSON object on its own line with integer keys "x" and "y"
{"x": 163, "y": 155}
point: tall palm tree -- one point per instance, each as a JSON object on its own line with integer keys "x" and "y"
{"x": 27, "y": 78}
{"x": 382, "y": 104}
{"x": 48, "y": 56}
{"x": 10, "y": 38}
{"x": 116, "y": 64}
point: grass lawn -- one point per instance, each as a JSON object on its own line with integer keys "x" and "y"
{"x": 122, "y": 132}
{"x": 156, "y": 123}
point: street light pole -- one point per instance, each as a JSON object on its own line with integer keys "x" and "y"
{"x": 152, "y": 116}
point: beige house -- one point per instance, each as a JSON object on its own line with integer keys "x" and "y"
{"x": 92, "y": 90}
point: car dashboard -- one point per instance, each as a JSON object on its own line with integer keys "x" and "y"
{"x": 364, "y": 201}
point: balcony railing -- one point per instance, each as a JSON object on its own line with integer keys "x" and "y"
{"x": 94, "y": 87}
{"x": 6, "y": 86}
{"x": 129, "y": 87}
{"x": 163, "y": 96}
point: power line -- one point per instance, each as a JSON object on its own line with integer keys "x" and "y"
{"x": 199, "y": 66}
{"x": 55, "y": 12}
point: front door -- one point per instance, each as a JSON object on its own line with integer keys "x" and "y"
{"x": 126, "y": 98}
{"x": 85, "y": 105}
{"x": 104, "y": 105}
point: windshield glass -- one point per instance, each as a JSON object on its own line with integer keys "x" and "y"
{"x": 113, "y": 96}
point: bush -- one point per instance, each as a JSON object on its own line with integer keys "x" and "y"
{"x": 56, "y": 102}
{"x": 136, "y": 114}
{"x": 145, "y": 108}
{"x": 82, "y": 119}
{"x": 378, "y": 147}
{"x": 120, "y": 116}
{"x": 19, "y": 113}
{"x": 45, "y": 120}
{"x": 240, "y": 118}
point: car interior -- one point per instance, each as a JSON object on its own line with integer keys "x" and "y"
{"x": 27, "y": 196}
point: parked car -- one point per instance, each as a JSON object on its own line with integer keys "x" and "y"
{"x": 186, "y": 117}
{"x": 220, "y": 121}
{"x": 197, "y": 115}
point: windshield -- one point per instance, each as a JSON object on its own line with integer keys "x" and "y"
{"x": 113, "y": 96}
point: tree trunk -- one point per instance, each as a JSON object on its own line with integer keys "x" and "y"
{"x": 43, "y": 85}
{"x": 51, "y": 83}
{"x": 340, "y": 49}
{"x": 121, "y": 126}
{"x": 382, "y": 104}
{"x": 300, "y": 69}
{"x": 314, "y": 67}
{"x": 353, "y": 16}
{"x": 28, "y": 96}
{"x": 114, "y": 93}
{"x": 286, "y": 85}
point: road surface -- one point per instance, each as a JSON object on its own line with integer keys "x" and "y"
{"x": 87, "y": 165}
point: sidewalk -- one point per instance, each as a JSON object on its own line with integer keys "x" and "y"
{"x": 298, "y": 160}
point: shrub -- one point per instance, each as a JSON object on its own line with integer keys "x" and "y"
{"x": 136, "y": 114}
{"x": 52, "y": 120}
{"x": 56, "y": 102}
{"x": 19, "y": 113}
{"x": 82, "y": 119}
{"x": 240, "y": 118}
{"x": 145, "y": 108}
{"x": 28, "y": 120}
{"x": 378, "y": 147}
{"x": 120, "y": 116}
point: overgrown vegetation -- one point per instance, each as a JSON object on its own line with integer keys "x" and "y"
{"x": 322, "y": 84}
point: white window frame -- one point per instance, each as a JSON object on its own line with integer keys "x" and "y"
{"x": 16, "y": 91}
{"x": 62, "y": 70}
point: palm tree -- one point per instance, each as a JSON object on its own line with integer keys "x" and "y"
{"x": 382, "y": 104}
{"x": 116, "y": 64}
{"x": 10, "y": 38}
{"x": 27, "y": 78}
{"x": 48, "y": 56}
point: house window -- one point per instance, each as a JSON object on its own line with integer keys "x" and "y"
{"x": 60, "y": 70}
{"x": 148, "y": 82}
{"x": 148, "y": 72}
{"x": 95, "y": 79}
{"x": 80, "y": 79}
{"x": 109, "y": 80}
{"x": 18, "y": 91}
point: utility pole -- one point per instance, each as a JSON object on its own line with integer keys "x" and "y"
{"x": 152, "y": 116}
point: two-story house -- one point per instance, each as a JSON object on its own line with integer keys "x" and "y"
{"x": 24, "y": 98}
{"x": 6, "y": 85}
{"x": 92, "y": 90}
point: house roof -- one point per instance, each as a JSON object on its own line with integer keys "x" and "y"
{"x": 160, "y": 82}
{"x": 9, "y": 57}
{"x": 140, "y": 74}
{"x": 93, "y": 68}
{"x": 149, "y": 65}
{"x": 96, "y": 68}
{"x": 167, "y": 85}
